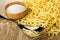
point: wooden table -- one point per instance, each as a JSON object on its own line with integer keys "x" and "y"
{"x": 9, "y": 32}
{"x": 14, "y": 33}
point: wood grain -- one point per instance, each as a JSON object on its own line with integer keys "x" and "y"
{"x": 9, "y": 32}
{"x": 14, "y": 33}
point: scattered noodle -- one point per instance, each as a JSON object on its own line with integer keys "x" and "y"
{"x": 45, "y": 13}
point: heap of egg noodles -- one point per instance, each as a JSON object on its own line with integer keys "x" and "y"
{"x": 44, "y": 13}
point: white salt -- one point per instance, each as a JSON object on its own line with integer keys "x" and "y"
{"x": 14, "y": 9}
{"x": 32, "y": 28}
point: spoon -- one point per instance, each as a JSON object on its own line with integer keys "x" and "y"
{"x": 22, "y": 26}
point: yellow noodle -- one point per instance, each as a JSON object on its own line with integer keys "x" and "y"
{"x": 45, "y": 13}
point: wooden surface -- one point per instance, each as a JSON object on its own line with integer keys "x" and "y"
{"x": 14, "y": 33}
{"x": 9, "y": 32}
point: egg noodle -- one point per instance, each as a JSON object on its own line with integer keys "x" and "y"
{"x": 44, "y": 13}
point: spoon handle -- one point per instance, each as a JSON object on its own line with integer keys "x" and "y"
{"x": 22, "y": 26}
{"x": 2, "y": 17}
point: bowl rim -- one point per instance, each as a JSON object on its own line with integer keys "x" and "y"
{"x": 15, "y": 2}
